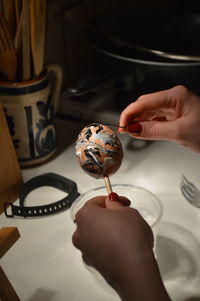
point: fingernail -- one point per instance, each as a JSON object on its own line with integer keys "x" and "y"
{"x": 114, "y": 197}
{"x": 121, "y": 131}
{"x": 135, "y": 128}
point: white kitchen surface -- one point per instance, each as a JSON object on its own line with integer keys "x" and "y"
{"x": 43, "y": 264}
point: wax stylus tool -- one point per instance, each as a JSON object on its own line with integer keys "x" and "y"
{"x": 129, "y": 127}
{"x": 117, "y": 126}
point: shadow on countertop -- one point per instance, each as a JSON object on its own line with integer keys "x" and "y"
{"x": 177, "y": 253}
{"x": 42, "y": 295}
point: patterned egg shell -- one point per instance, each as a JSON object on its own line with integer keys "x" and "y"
{"x": 98, "y": 150}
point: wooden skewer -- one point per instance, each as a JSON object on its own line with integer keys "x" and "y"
{"x": 26, "y": 41}
{"x": 18, "y": 35}
{"x": 108, "y": 185}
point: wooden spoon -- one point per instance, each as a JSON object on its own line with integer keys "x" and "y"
{"x": 38, "y": 32}
{"x": 8, "y": 57}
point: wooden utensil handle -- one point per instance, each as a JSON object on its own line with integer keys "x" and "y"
{"x": 10, "y": 175}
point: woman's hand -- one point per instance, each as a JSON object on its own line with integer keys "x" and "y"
{"x": 172, "y": 114}
{"x": 118, "y": 242}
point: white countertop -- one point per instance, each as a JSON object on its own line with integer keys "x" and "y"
{"x": 43, "y": 264}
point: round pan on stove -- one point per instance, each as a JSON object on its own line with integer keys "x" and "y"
{"x": 130, "y": 55}
{"x": 154, "y": 34}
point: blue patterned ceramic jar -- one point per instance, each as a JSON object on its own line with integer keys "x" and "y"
{"x": 29, "y": 108}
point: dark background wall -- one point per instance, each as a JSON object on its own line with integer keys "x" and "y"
{"x": 65, "y": 43}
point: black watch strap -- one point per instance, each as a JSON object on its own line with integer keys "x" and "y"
{"x": 48, "y": 179}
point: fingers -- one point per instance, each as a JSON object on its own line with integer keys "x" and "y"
{"x": 86, "y": 260}
{"x": 148, "y": 102}
{"x": 83, "y": 216}
{"x": 157, "y": 130}
{"x": 125, "y": 201}
{"x": 159, "y": 103}
{"x": 76, "y": 239}
{"x": 101, "y": 201}
{"x": 118, "y": 203}
{"x": 97, "y": 201}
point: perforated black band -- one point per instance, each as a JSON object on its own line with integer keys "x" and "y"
{"x": 48, "y": 179}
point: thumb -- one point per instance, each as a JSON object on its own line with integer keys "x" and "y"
{"x": 154, "y": 130}
{"x": 113, "y": 201}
